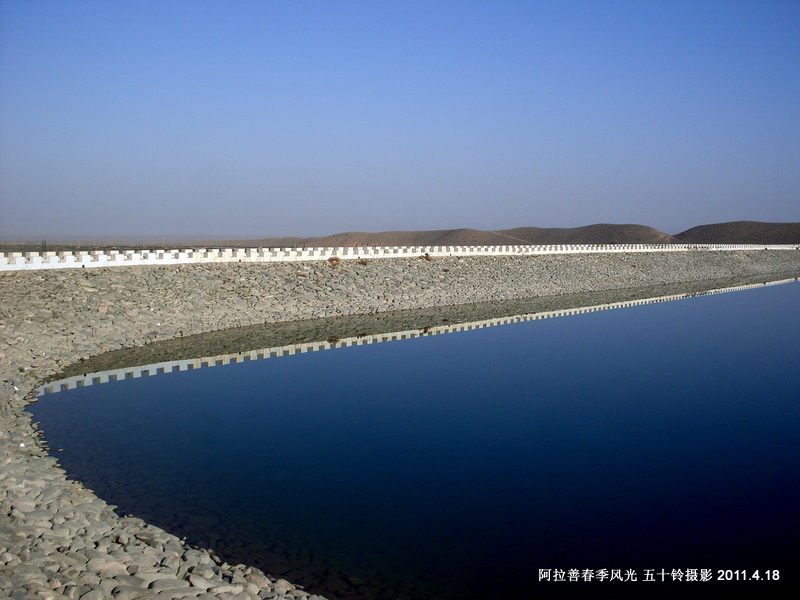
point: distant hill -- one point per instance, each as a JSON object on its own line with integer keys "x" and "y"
{"x": 590, "y": 234}
{"x": 737, "y": 232}
{"x": 742, "y": 232}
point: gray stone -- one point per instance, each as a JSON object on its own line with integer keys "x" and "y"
{"x": 129, "y": 592}
{"x": 168, "y": 584}
{"x": 281, "y": 586}
{"x": 95, "y": 595}
{"x": 226, "y": 589}
{"x": 131, "y": 580}
{"x": 107, "y": 566}
{"x": 199, "y": 582}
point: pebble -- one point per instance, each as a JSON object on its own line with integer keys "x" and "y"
{"x": 58, "y": 540}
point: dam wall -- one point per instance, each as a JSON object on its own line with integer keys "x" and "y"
{"x": 13, "y": 261}
{"x": 58, "y": 539}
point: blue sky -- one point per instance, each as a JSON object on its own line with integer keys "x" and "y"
{"x": 231, "y": 118}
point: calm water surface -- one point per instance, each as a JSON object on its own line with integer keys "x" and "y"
{"x": 661, "y": 436}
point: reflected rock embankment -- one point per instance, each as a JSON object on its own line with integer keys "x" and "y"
{"x": 286, "y": 338}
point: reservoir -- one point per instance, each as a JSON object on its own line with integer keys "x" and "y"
{"x": 658, "y": 437}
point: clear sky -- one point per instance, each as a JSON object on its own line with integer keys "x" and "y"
{"x": 261, "y": 118}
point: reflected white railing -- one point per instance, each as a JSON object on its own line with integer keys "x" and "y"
{"x": 361, "y": 340}
{"x": 17, "y": 261}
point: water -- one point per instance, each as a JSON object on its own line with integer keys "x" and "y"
{"x": 656, "y": 437}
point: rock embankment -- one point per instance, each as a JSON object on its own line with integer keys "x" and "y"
{"x": 58, "y": 540}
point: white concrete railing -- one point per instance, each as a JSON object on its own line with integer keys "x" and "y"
{"x": 15, "y": 261}
{"x": 70, "y": 383}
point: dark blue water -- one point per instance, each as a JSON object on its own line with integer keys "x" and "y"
{"x": 664, "y": 436}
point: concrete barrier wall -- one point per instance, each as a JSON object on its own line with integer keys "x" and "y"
{"x": 14, "y": 261}
{"x": 303, "y": 347}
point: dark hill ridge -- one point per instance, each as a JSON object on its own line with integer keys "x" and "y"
{"x": 601, "y": 233}
{"x": 739, "y": 232}
{"x": 742, "y": 232}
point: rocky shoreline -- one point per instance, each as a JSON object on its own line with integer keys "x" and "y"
{"x": 58, "y": 540}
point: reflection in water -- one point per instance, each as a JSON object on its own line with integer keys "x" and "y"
{"x": 457, "y": 466}
{"x": 280, "y": 339}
